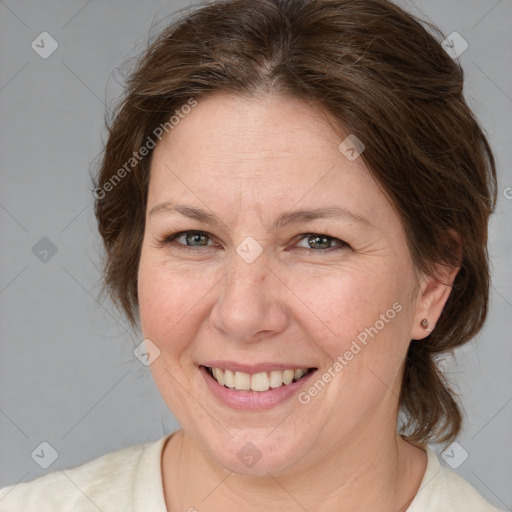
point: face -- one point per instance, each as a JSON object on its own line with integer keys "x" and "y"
{"x": 266, "y": 250}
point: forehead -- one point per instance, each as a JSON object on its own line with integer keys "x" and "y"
{"x": 256, "y": 126}
{"x": 269, "y": 150}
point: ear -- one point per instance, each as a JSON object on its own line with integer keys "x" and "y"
{"x": 434, "y": 292}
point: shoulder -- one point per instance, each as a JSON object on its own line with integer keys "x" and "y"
{"x": 460, "y": 495}
{"x": 105, "y": 483}
{"x": 443, "y": 490}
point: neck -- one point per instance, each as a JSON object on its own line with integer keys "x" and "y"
{"x": 358, "y": 476}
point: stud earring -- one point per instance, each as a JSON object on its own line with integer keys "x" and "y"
{"x": 424, "y": 324}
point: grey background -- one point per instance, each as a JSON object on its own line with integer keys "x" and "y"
{"x": 68, "y": 375}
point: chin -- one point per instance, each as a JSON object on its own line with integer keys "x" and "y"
{"x": 257, "y": 452}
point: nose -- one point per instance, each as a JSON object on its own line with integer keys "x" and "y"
{"x": 250, "y": 303}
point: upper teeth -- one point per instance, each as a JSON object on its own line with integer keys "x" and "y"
{"x": 257, "y": 381}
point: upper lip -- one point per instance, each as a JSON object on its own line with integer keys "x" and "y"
{"x": 253, "y": 368}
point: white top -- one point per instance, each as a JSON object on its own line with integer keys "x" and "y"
{"x": 130, "y": 480}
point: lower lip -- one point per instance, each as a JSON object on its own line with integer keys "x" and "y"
{"x": 252, "y": 400}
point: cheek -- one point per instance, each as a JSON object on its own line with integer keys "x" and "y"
{"x": 344, "y": 303}
{"x": 362, "y": 317}
{"x": 169, "y": 302}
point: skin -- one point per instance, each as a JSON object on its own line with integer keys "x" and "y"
{"x": 247, "y": 160}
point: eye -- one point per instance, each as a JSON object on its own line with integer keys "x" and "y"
{"x": 317, "y": 242}
{"x": 188, "y": 239}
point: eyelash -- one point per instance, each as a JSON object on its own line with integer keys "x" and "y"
{"x": 168, "y": 239}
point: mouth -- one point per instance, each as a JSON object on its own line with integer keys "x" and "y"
{"x": 258, "y": 382}
{"x": 257, "y": 390}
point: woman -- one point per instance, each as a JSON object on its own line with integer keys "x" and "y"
{"x": 294, "y": 200}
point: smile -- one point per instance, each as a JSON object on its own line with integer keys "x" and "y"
{"x": 255, "y": 390}
{"x": 261, "y": 381}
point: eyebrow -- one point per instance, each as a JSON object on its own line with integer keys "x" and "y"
{"x": 286, "y": 218}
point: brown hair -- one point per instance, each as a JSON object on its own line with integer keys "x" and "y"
{"x": 387, "y": 80}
